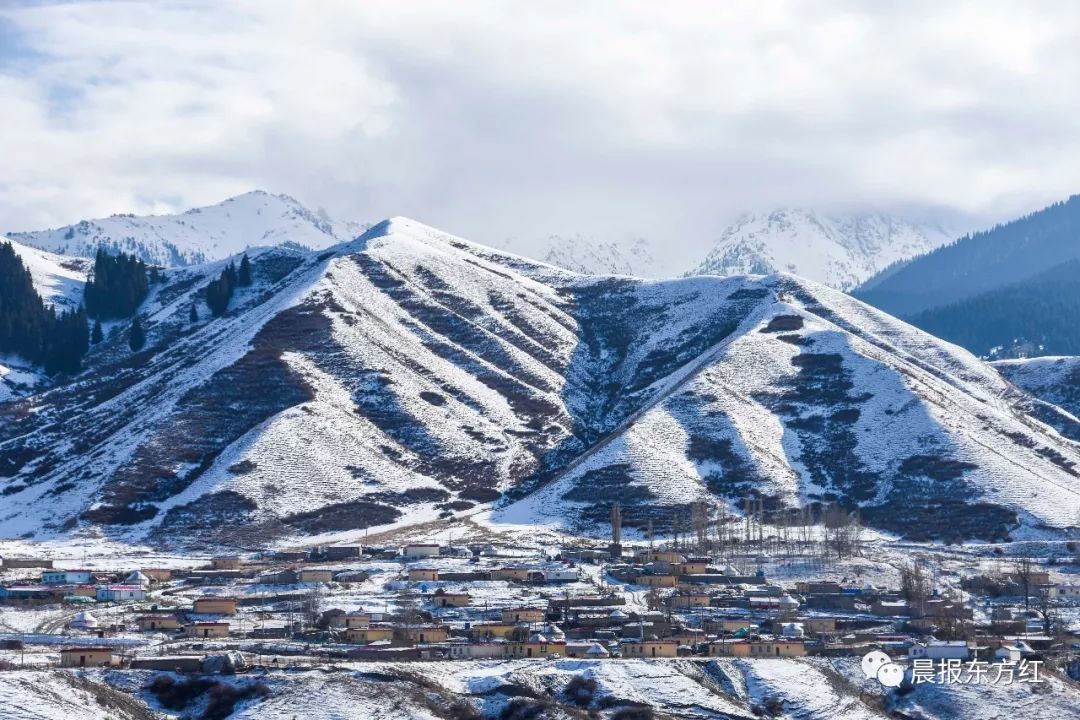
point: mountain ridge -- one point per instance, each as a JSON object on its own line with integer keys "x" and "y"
{"x": 409, "y": 374}
{"x": 841, "y": 251}
{"x": 198, "y": 235}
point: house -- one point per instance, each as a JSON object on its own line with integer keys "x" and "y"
{"x": 336, "y": 553}
{"x": 890, "y": 608}
{"x": 940, "y": 650}
{"x": 369, "y": 634}
{"x": 226, "y": 562}
{"x": 645, "y": 555}
{"x": 763, "y": 648}
{"x": 421, "y": 634}
{"x": 724, "y": 626}
{"x": 523, "y": 615}
{"x": 442, "y": 598}
{"x": 1036, "y": 578}
{"x": 120, "y": 593}
{"x": 492, "y": 630}
{"x": 420, "y": 550}
{"x": 686, "y": 600}
{"x": 694, "y": 566}
{"x": 157, "y": 622}
{"x": 207, "y": 630}
{"x": 351, "y": 620}
{"x": 87, "y": 657}
{"x": 474, "y": 651}
{"x": 214, "y": 605}
{"x": 1008, "y": 653}
{"x": 536, "y": 646}
{"x": 424, "y": 574}
{"x": 513, "y": 573}
{"x": 649, "y": 648}
{"x": 820, "y": 587}
{"x": 316, "y": 575}
{"x": 168, "y": 663}
{"x": 657, "y": 580}
{"x": 27, "y": 595}
{"x": 67, "y": 577}
{"x": 560, "y": 574}
{"x": 1064, "y": 592}
{"x": 288, "y": 576}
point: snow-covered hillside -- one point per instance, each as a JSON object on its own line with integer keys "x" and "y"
{"x": 58, "y": 280}
{"x": 1053, "y": 379}
{"x": 201, "y": 234}
{"x": 411, "y": 373}
{"x": 591, "y": 256}
{"x": 839, "y": 251}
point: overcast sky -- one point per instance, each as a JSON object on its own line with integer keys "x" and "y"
{"x": 496, "y": 119}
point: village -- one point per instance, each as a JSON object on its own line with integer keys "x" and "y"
{"x": 427, "y": 601}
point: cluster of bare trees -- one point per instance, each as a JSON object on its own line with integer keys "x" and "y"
{"x": 819, "y": 533}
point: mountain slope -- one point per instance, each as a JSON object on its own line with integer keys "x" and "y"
{"x": 411, "y": 373}
{"x": 841, "y": 252}
{"x": 1032, "y": 317}
{"x": 1055, "y": 380}
{"x": 201, "y": 234}
{"x": 982, "y": 262}
{"x": 58, "y": 280}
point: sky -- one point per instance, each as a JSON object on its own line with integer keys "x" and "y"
{"x": 523, "y": 119}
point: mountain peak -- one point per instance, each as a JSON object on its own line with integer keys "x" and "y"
{"x": 838, "y": 250}
{"x": 201, "y": 234}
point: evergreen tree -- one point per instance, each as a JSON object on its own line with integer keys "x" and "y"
{"x": 193, "y": 316}
{"x": 219, "y": 291}
{"x": 97, "y": 335}
{"x": 245, "y": 271}
{"x": 136, "y": 336}
{"x": 117, "y": 286}
{"x": 33, "y": 330}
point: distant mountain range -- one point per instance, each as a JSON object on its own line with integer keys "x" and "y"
{"x": 633, "y": 256}
{"x": 839, "y": 251}
{"x": 254, "y": 219}
{"x": 981, "y": 262}
{"x": 1011, "y": 291}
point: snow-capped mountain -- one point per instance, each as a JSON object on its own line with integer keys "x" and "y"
{"x": 839, "y": 251}
{"x": 578, "y": 253}
{"x": 199, "y": 235}
{"x": 411, "y": 373}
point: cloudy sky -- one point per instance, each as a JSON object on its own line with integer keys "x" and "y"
{"x": 496, "y": 119}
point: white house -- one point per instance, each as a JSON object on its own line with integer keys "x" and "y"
{"x": 420, "y": 550}
{"x": 67, "y": 577}
{"x": 560, "y": 574}
{"x": 117, "y": 593}
{"x": 940, "y": 650}
{"x": 1009, "y": 653}
{"x": 1064, "y": 592}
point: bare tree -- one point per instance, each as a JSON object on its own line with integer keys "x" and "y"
{"x": 1025, "y": 570}
{"x": 915, "y": 583}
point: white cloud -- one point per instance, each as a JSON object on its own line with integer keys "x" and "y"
{"x": 517, "y": 118}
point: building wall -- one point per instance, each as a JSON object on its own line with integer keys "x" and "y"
{"x": 214, "y": 606}
{"x": 86, "y": 658}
